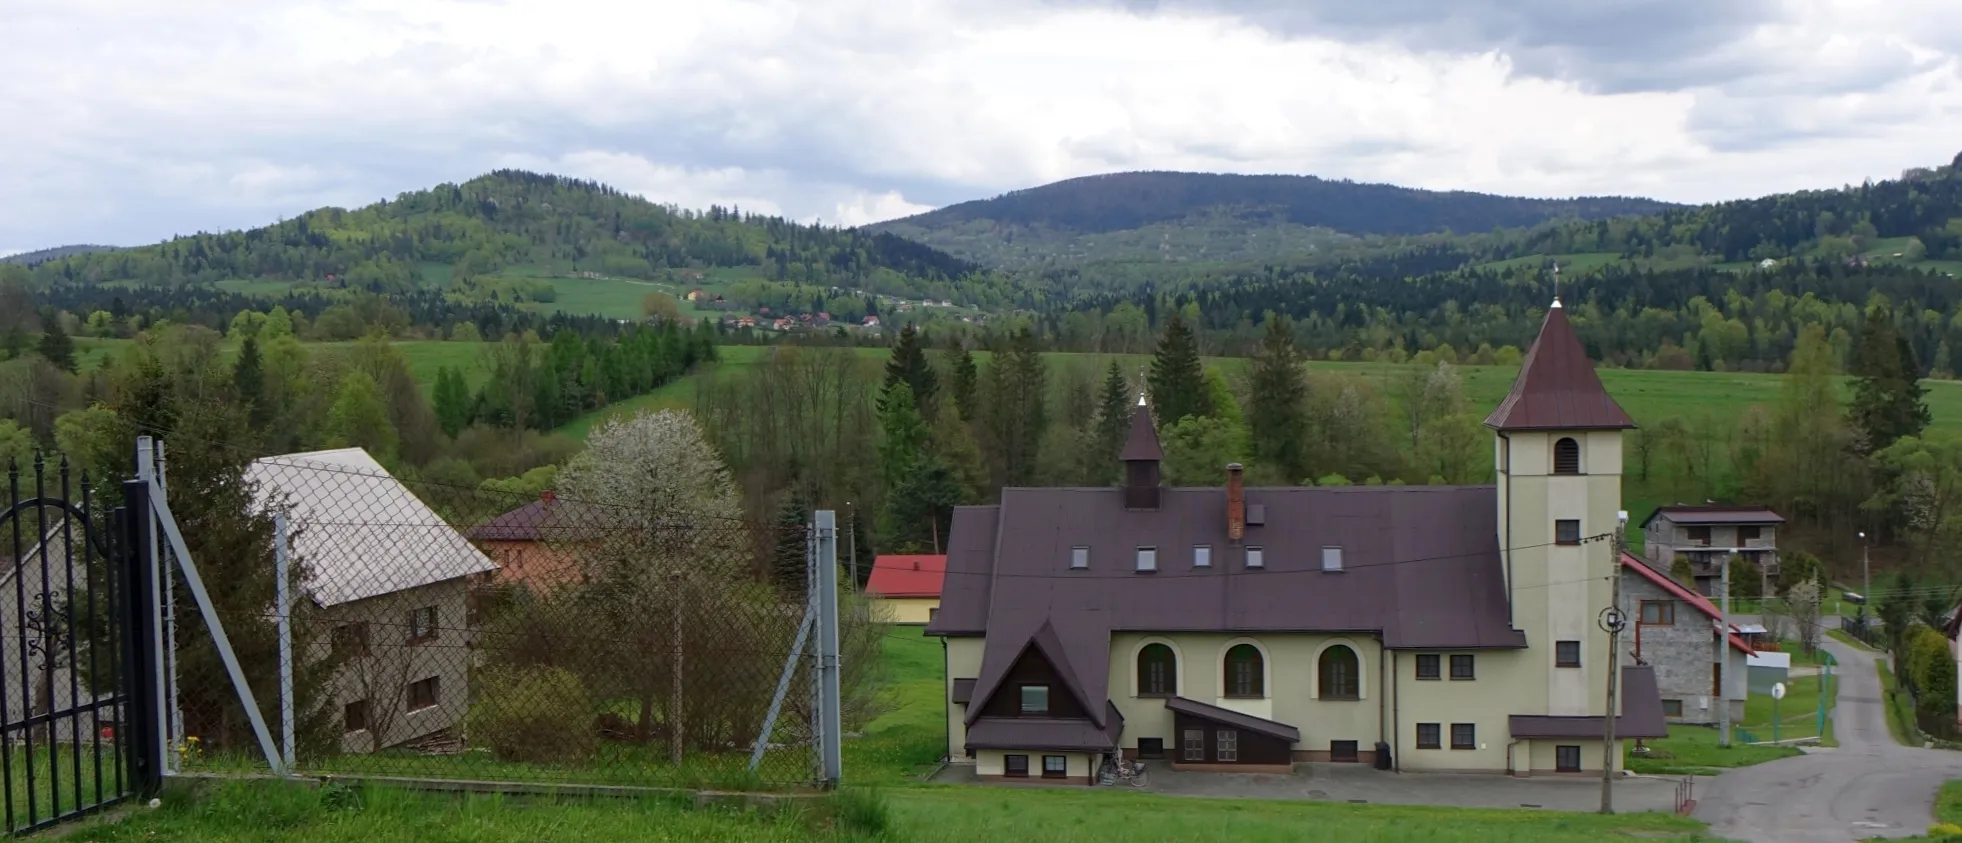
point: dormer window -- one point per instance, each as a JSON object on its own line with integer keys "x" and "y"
{"x": 1147, "y": 559}
{"x": 1566, "y": 456}
{"x": 1256, "y": 558}
{"x": 1079, "y": 558}
{"x": 1331, "y": 559}
{"x": 1202, "y": 556}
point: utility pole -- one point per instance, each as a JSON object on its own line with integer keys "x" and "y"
{"x": 854, "y": 544}
{"x": 1723, "y": 644}
{"x": 1866, "y": 575}
{"x": 1613, "y": 621}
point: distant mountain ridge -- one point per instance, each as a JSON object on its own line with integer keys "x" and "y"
{"x": 1229, "y": 206}
{"x": 40, "y": 256}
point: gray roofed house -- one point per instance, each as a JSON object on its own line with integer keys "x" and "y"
{"x": 1228, "y": 627}
{"x": 1705, "y": 534}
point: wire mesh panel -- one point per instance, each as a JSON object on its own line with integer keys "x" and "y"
{"x": 445, "y": 632}
{"x": 60, "y": 650}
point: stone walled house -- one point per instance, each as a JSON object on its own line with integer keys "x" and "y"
{"x": 392, "y": 581}
{"x": 1673, "y": 630}
{"x": 1447, "y": 628}
{"x": 1705, "y": 535}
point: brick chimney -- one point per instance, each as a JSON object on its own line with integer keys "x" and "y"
{"x": 1236, "y": 504}
{"x": 548, "y": 497}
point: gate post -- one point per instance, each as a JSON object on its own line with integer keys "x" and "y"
{"x": 144, "y": 731}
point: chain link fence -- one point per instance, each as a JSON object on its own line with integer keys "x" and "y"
{"x": 445, "y": 632}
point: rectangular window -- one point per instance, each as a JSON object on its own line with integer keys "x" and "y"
{"x": 1255, "y": 558}
{"x": 1658, "y": 613}
{"x": 1151, "y": 747}
{"x": 1202, "y": 556}
{"x": 1342, "y": 751}
{"x": 423, "y": 694}
{"x": 1147, "y": 559}
{"x": 1015, "y": 765}
{"x": 1194, "y": 745}
{"x": 1567, "y": 531}
{"x": 1464, "y": 736}
{"x": 1672, "y": 708}
{"x": 1699, "y": 535}
{"x": 1035, "y": 700}
{"x": 1427, "y": 666}
{"x": 1331, "y": 559}
{"x": 1566, "y": 759}
{"x": 350, "y": 640}
{"x": 1430, "y": 736}
{"x": 1055, "y": 766}
{"x": 1749, "y": 534}
{"x": 422, "y": 625}
{"x": 354, "y": 716}
{"x": 933, "y": 612}
{"x": 1566, "y": 654}
{"x": 1079, "y": 557}
{"x": 1461, "y": 667}
{"x": 1227, "y": 742}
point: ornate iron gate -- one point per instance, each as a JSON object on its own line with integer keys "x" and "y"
{"x": 65, "y": 660}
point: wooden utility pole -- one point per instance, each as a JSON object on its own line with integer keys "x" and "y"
{"x": 1613, "y": 621}
{"x": 1723, "y": 652}
{"x": 675, "y": 736}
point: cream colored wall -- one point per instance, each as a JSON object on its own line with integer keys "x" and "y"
{"x": 988, "y": 762}
{"x": 1542, "y": 754}
{"x": 1506, "y": 682}
{"x": 1559, "y": 590}
{"x": 904, "y": 610}
{"x": 383, "y": 676}
{"x": 963, "y": 662}
{"x": 1291, "y": 661}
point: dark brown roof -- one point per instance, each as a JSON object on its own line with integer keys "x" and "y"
{"x": 1641, "y": 714}
{"x": 1557, "y": 387}
{"x": 963, "y": 690}
{"x": 1421, "y": 568}
{"x": 1142, "y": 444}
{"x": 1715, "y": 514}
{"x": 1046, "y": 640}
{"x": 1061, "y": 734}
{"x": 540, "y": 520}
{"x": 1228, "y": 717}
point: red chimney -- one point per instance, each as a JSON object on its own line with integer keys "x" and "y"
{"x": 548, "y": 496}
{"x": 1236, "y": 504}
{"x": 916, "y": 564}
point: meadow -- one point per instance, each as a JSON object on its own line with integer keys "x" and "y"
{"x": 884, "y": 801}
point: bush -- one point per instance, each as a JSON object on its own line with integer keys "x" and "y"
{"x": 1944, "y": 831}
{"x": 534, "y": 714}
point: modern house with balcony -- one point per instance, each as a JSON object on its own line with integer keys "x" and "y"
{"x": 1705, "y": 535}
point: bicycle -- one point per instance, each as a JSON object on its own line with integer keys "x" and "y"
{"x": 1116, "y": 770}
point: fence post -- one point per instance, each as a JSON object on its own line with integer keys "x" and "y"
{"x": 162, "y": 623}
{"x": 140, "y": 668}
{"x": 284, "y": 598}
{"x": 831, "y": 720}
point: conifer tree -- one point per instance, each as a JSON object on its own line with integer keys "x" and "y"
{"x": 56, "y": 345}
{"x": 1178, "y": 380}
{"x": 249, "y": 382}
{"x": 1115, "y": 404}
{"x": 1278, "y": 419}
{"x": 1889, "y": 401}
{"x": 909, "y": 364}
{"x": 962, "y": 380}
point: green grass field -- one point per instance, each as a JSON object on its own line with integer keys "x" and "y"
{"x": 1693, "y": 750}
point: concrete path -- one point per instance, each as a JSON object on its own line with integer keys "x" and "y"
{"x": 1867, "y": 787}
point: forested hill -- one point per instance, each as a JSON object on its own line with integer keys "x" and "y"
{"x": 1212, "y": 216}
{"x": 40, "y": 256}
{"x": 515, "y": 219}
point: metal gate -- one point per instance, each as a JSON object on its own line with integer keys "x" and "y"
{"x": 66, "y": 664}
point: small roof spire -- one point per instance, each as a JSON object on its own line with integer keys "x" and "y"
{"x": 1141, "y": 445}
{"x": 1556, "y": 283}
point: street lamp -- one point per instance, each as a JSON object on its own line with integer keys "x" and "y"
{"x": 1866, "y": 574}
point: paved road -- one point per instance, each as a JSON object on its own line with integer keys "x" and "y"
{"x": 1867, "y": 787}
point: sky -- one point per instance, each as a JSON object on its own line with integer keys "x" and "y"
{"x": 130, "y": 121}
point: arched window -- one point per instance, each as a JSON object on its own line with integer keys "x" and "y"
{"x": 1340, "y": 674}
{"x": 1158, "y": 670}
{"x": 1566, "y": 456}
{"x": 1245, "y": 672}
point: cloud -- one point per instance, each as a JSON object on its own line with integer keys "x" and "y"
{"x": 151, "y": 120}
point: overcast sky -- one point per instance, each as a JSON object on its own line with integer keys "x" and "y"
{"x": 128, "y": 121}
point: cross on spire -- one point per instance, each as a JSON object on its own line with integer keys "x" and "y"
{"x": 1556, "y": 283}
{"x": 1141, "y": 386}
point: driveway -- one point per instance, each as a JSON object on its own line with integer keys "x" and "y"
{"x": 1360, "y": 783}
{"x": 1867, "y": 787}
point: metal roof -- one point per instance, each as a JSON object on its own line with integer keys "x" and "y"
{"x": 1641, "y": 714}
{"x": 1142, "y": 443}
{"x": 361, "y": 533}
{"x": 1557, "y": 388}
{"x": 1038, "y": 733}
{"x": 1714, "y": 514}
{"x": 916, "y": 575}
{"x": 1229, "y": 717}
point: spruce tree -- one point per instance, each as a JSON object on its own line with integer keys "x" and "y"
{"x": 909, "y": 364}
{"x": 788, "y": 565}
{"x": 962, "y": 379}
{"x": 1278, "y": 422}
{"x": 56, "y": 345}
{"x": 1115, "y": 404}
{"x": 1889, "y": 401}
{"x": 452, "y": 401}
{"x": 1178, "y": 379}
{"x": 249, "y": 382}
{"x": 903, "y": 435}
